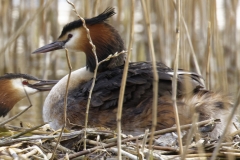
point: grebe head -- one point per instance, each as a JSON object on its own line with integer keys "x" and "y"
{"x": 15, "y": 87}
{"x": 106, "y": 39}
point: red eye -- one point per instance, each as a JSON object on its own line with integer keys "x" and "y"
{"x": 70, "y": 36}
{"x": 25, "y": 82}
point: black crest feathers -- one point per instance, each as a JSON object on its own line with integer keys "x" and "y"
{"x": 109, "y": 12}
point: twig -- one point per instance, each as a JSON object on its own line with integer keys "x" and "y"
{"x": 172, "y": 129}
{"x": 198, "y": 155}
{"x": 95, "y": 71}
{"x": 174, "y": 81}
{"x": 155, "y": 74}
{"x": 123, "y": 82}
{"x": 28, "y": 154}
{"x": 26, "y": 131}
{"x": 115, "y": 150}
{"x": 62, "y": 148}
{"x": 40, "y": 151}
{"x": 145, "y": 139}
{"x": 21, "y": 129}
{"x": 97, "y": 143}
{"x": 65, "y": 103}
{"x": 226, "y": 127}
{"x": 127, "y": 154}
{"x": 230, "y": 149}
{"x": 93, "y": 84}
{"x": 169, "y": 149}
{"x": 235, "y": 125}
{"x": 112, "y": 56}
{"x": 192, "y": 130}
{"x": 5, "y": 142}
{"x": 235, "y": 133}
{"x": 11, "y": 141}
{"x": 66, "y": 92}
{"x": 232, "y": 153}
{"x": 191, "y": 47}
{"x": 13, "y": 153}
{"x": 17, "y": 115}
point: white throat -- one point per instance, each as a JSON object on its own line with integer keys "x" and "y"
{"x": 17, "y": 85}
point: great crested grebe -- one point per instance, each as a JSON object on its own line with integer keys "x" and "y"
{"x": 15, "y": 86}
{"x": 137, "y": 107}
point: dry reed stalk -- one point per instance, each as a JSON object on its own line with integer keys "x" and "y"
{"x": 200, "y": 155}
{"x": 172, "y": 149}
{"x": 208, "y": 53}
{"x": 95, "y": 71}
{"x": 66, "y": 92}
{"x": 23, "y": 27}
{"x": 193, "y": 131}
{"x": 174, "y": 81}
{"x": 86, "y": 8}
{"x": 42, "y": 137}
{"x": 123, "y": 82}
{"x": 236, "y": 132}
{"x": 14, "y": 117}
{"x": 231, "y": 154}
{"x": 35, "y": 147}
{"x": 114, "y": 149}
{"x": 155, "y": 74}
{"x": 12, "y": 141}
{"x": 220, "y": 70}
{"x": 21, "y": 129}
{"x": 65, "y": 103}
{"x": 230, "y": 149}
{"x": 61, "y": 148}
{"x": 191, "y": 47}
{"x": 144, "y": 139}
{"x": 127, "y": 154}
{"x": 26, "y": 131}
{"x": 13, "y": 153}
{"x": 28, "y": 154}
{"x": 95, "y": 6}
{"x": 119, "y": 2}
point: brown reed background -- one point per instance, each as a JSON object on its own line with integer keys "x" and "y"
{"x": 220, "y": 42}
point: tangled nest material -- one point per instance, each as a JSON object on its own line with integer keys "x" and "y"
{"x": 40, "y": 143}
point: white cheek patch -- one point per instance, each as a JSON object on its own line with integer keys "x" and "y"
{"x": 72, "y": 44}
{"x": 17, "y": 84}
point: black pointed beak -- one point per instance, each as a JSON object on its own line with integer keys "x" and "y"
{"x": 50, "y": 47}
{"x": 43, "y": 85}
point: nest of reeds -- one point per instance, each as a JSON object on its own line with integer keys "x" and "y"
{"x": 41, "y": 143}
